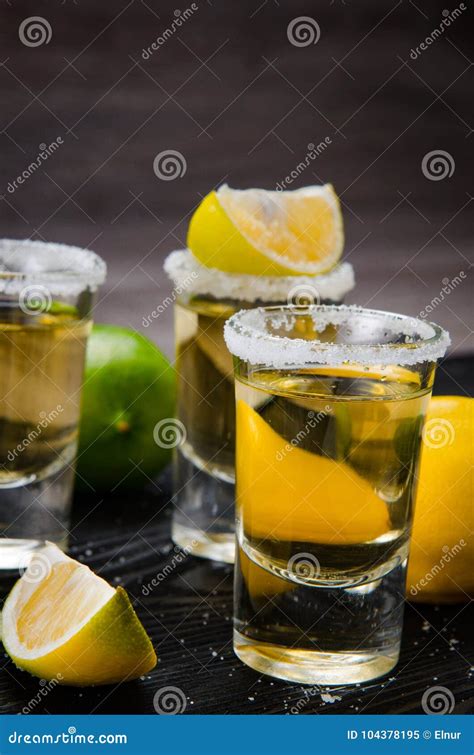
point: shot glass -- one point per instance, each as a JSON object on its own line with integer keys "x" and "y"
{"x": 47, "y": 293}
{"x": 330, "y": 409}
{"x": 204, "y": 473}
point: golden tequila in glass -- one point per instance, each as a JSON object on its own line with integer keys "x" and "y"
{"x": 330, "y": 409}
{"x": 46, "y": 295}
{"x": 204, "y": 516}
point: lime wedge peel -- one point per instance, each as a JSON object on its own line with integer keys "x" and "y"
{"x": 63, "y": 622}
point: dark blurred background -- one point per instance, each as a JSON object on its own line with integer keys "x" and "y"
{"x": 229, "y": 91}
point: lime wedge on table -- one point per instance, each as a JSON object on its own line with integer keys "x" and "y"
{"x": 61, "y": 621}
{"x": 260, "y": 232}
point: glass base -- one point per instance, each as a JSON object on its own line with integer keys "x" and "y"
{"x": 317, "y": 635}
{"x": 32, "y": 513}
{"x": 312, "y": 666}
{"x": 17, "y": 554}
{"x": 203, "y": 516}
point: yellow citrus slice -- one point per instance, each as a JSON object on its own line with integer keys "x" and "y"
{"x": 288, "y": 493}
{"x": 261, "y": 584}
{"x": 441, "y": 562}
{"x": 260, "y": 232}
{"x": 63, "y": 622}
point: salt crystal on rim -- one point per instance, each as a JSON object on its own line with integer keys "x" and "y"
{"x": 247, "y": 337}
{"x": 64, "y": 270}
{"x": 189, "y": 276}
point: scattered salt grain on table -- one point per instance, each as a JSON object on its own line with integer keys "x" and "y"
{"x": 327, "y": 698}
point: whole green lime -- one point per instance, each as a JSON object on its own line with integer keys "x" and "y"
{"x": 129, "y": 387}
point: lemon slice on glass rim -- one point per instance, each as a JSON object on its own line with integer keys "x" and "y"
{"x": 259, "y": 232}
{"x": 61, "y": 621}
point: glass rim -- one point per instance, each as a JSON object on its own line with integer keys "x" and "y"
{"x": 190, "y": 277}
{"x": 247, "y": 338}
{"x": 61, "y": 268}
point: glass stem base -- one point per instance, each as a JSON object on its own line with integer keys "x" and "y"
{"x": 203, "y": 514}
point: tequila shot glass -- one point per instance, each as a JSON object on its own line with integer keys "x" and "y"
{"x": 330, "y": 409}
{"x": 204, "y": 473}
{"x": 47, "y": 292}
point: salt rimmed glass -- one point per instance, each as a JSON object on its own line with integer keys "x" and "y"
{"x": 47, "y": 292}
{"x": 204, "y": 474}
{"x": 330, "y": 408}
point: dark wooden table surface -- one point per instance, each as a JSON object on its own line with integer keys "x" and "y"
{"x": 189, "y": 618}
